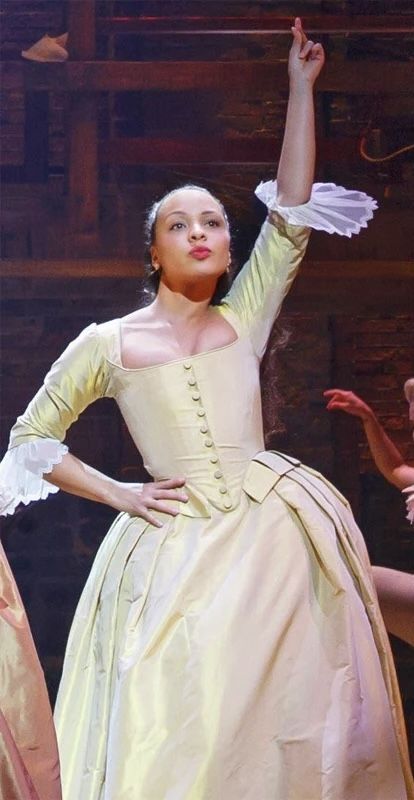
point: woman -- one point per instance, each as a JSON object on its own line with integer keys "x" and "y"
{"x": 395, "y": 588}
{"x": 222, "y": 647}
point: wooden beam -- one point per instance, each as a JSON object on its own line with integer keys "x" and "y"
{"x": 83, "y": 201}
{"x": 159, "y": 25}
{"x": 214, "y": 150}
{"x": 332, "y": 272}
{"x": 82, "y": 29}
{"x": 71, "y": 268}
{"x": 352, "y": 287}
{"x": 330, "y": 287}
{"x": 322, "y": 288}
{"x": 349, "y": 77}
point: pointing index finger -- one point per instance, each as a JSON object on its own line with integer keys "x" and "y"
{"x": 298, "y": 27}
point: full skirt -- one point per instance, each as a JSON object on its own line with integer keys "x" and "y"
{"x": 29, "y": 765}
{"x": 239, "y": 656}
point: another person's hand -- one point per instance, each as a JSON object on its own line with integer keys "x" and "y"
{"x": 341, "y": 400}
{"x": 141, "y": 499}
{"x": 306, "y": 58}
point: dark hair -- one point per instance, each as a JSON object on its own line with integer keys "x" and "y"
{"x": 152, "y": 277}
{"x": 273, "y": 371}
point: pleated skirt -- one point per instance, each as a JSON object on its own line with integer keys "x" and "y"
{"x": 238, "y": 657}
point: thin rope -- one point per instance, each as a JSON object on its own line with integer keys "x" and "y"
{"x": 380, "y": 159}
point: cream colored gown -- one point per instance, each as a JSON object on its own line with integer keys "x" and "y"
{"x": 237, "y": 652}
{"x": 29, "y": 764}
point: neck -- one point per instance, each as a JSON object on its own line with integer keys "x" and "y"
{"x": 184, "y": 305}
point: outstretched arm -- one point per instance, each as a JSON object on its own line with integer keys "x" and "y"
{"x": 385, "y": 454}
{"x": 297, "y": 159}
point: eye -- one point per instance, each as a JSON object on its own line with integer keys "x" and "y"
{"x": 177, "y": 226}
{"x": 213, "y": 223}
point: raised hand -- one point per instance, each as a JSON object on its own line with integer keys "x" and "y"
{"x": 140, "y": 499}
{"x": 306, "y": 58}
{"x": 341, "y": 400}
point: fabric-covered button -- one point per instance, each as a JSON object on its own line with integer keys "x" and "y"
{"x": 201, "y": 412}
{"x": 195, "y": 395}
{"x": 208, "y": 443}
{"x": 213, "y": 459}
{"x": 204, "y": 429}
{"x": 227, "y": 504}
{"x": 192, "y": 382}
{"x": 223, "y": 489}
{"x": 218, "y": 474}
{"x": 187, "y": 365}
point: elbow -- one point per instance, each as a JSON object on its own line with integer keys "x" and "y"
{"x": 291, "y": 199}
{"x": 398, "y": 476}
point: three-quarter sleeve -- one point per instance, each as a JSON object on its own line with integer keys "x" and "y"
{"x": 257, "y": 294}
{"x": 260, "y": 287}
{"x": 75, "y": 380}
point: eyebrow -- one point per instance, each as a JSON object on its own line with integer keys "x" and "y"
{"x": 185, "y": 214}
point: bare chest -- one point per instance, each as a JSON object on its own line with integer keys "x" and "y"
{"x": 148, "y": 345}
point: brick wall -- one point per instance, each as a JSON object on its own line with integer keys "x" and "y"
{"x": 51, "y": 544}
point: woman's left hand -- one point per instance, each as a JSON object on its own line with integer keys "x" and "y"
{"x": 306, "y": 58}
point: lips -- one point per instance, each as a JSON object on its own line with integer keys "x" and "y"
{"x": 200, "y": 252}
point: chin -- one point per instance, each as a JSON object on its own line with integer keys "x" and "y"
{"x": 205, "y": 271}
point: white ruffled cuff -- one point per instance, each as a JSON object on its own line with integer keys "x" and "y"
{"x": 410, "y": 503}
{"x": 331, "y": 208}
{"x": 22, "y": 470}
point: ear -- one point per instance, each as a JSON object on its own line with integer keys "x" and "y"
{"x": 154, "y": 257}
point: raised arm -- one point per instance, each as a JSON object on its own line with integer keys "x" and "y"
{"x": 387, "y": 457}
{"x": 258, "y": 291}
{"x": 297, "y": 158}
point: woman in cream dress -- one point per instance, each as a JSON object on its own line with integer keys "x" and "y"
{"x": 228, "y": 644}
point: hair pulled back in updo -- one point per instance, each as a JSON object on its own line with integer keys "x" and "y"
{"x": 152, "y": 277}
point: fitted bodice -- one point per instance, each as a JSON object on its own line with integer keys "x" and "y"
{"x": 197, "y": 417}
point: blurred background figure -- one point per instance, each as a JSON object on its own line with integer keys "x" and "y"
{"x": 29, "y": 763}
{"x": 395, "y": 588}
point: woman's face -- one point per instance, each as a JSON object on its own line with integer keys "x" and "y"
{"x": 192, "y": 241}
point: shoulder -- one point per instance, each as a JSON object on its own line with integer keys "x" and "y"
{"x": 107, "y": 336}
{"x": 95, "y": 335}
{"x": 136, "y": 318}
{"x": 95, "y": 342}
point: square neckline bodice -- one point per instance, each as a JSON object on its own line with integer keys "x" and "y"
{"x": 175, "y": 361}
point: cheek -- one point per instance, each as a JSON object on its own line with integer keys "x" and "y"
{"x": 169, "y": 247}
{"x": 224, "y": 243}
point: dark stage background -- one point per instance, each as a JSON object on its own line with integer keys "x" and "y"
{"x": 141, "y": 106}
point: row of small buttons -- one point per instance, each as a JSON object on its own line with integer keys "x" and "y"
{"x": 208, "y": 442}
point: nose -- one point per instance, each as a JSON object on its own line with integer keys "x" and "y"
{"x": 196, "y": 232}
